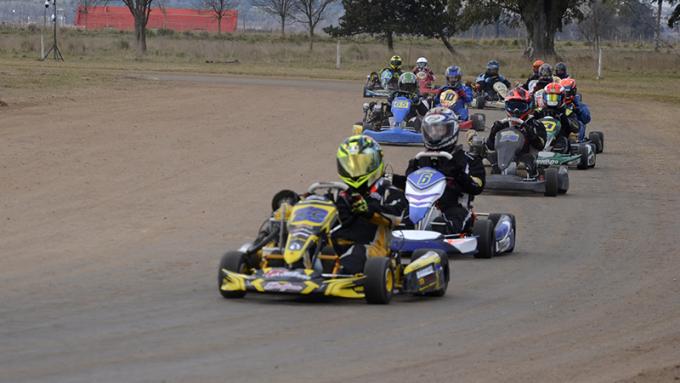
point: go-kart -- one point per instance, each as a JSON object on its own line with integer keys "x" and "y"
{"x": 380, "y": 85}
{"x": 394, "y": 130}
{"x": 483, "y": 99}
{"x": 448, "y": 98}
{"x": 489, "y": 236}
{"x": 296, "y": 257}
{"x": 561, "y": 151}
{"x": 510, "y": 173}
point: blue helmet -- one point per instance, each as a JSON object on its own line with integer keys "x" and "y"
{"x": 453, "y": 74}
{"x": 492, "y": 67}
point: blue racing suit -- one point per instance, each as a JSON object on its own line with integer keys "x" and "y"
{"x": 583, "y": 114}
{"x": 464, "y": 98}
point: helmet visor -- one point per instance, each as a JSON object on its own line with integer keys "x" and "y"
{"x": 516, "y": 107}
{"x": 357, "y": 165}
{"x": 421, "y": 64}
{"x": 395, "y": 63}
{"x": 552, "y": 99}
{"x": 408, "y": 87}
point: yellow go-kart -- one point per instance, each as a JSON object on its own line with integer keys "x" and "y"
{"x": 296, "y": 257}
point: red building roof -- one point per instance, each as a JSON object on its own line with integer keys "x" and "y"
{"x": 177, "y": 19}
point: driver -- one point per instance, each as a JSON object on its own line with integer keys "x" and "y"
{"x": 453, "y": 76}
{"x": 573, "y": 102}
{"x": 464, "y": 173}
{"x": 561, "y": 70}
{"x": 394, "y": 68}
{"x": 369, "y": 209}
{"x": 423, "y": 66}
{"x": 534, "y": 75}
{"x": 554, "y": 105}
{"x": 486, "y": 80}
{"x": 545, "y": 77}
{"x": 408, "y": 87}
{"x": 518, "y": 105}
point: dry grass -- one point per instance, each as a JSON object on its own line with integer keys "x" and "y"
{"x": 630, "y": 69}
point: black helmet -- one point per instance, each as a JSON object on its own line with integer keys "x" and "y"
{"x": 440, "y": 129}
{"x": 492, "y": 67}
{"x": 408, "y": 82}
{"x": 561, "y": 70}
{"x": 545, "y": 72}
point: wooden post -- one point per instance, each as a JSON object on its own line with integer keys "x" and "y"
{"x": 337, "y": 55}
{"x": 599, "y": 64}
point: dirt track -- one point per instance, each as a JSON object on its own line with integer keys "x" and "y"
{"x": 113, "y": 221}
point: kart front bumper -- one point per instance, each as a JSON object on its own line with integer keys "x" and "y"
{"x": 395, "y": 136}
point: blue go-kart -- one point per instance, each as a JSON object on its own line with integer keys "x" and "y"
{"x": 491, "y": 234}
{"x": 396, "y": 129}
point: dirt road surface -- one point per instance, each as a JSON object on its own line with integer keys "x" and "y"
{"x": 115, "y": 206}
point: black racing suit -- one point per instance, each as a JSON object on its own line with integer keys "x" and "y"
{"x": 367, "y": 234}
{"x": 485, "y": 82}
{"x": 418, "y": 107}
{"x": 465, "y": 177}
{"x": 529, "y": 80}
{"x": 542, "y": 83}
{"x": 534, "y": 134}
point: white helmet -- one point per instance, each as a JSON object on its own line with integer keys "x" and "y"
{"x": 421, "y": 62}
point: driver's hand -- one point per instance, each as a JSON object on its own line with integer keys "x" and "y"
{"x": 471, "y": 135}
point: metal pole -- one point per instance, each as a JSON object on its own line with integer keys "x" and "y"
{"x": 337, "y": 56}
{"x": 42, "y": 33}
{"x": 54, "y": 4}
{"x": 599, "y": 64}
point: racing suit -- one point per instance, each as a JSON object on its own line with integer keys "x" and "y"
{"x": 394, "y": 80}
{"x": 427, "y": 70}
{"x": 485, "y": 82}
{"x": 567, "y": 118}
{"x": 464, "y": 97}
{"x": 367, "y": 233}
{"x": 583, "y": 114}
{"x": 465, "y": 178}
{"x": 534, "y": 77}
{"x": 534, "y": 133}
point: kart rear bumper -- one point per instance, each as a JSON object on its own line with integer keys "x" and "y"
{"x": 502, "y": 182}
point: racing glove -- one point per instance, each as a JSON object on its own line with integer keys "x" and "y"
{"x": 359, "y": 205}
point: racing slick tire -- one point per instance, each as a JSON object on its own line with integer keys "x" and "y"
{"x": 233, "y": 261}
{"x": 445, "y": 264}
{"x": 481, "y": 101}
{"x": 552, "y": 182}
{"x": 563, "y": 178}
{"x": 583, "y": 160}
{"x": 600, "y": 148}
{"x": 486, "y": 239}
{"x": 494, "y": 217}
{"x": 595, "y": 139}
{"x": 478, "y": 122}
{"x": 379, "y": 281}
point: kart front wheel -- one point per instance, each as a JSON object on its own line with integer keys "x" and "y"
{"x": 379, "y": 281}
{"x": 233, "y": 261}
{"x": 486, "y": 238}
{"x": 495, "y": 217}
{"x": 583, "y": 159}
{"x": 600, "y": 149}
{"x": 596, "y": 139}
{"x": 551, "y": 182}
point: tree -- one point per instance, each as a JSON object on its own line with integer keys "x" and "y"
{"x": 599, "y": 21}
{"x": 283, "y": 9}
{"x": 373, "y": 17}
{"x": 433, "y": 18}
{"x": 659, "y": 6}
{"x": 140, "y": 10}
{"x": 675, "y": 17}
{"x": 310, "y": 13}
{"x": 220, "y": 8}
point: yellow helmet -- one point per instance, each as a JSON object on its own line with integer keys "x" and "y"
{"x": 360, "y": 162}
{"x": 395, "y": 62}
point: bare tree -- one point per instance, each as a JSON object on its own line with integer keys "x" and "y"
{"x": 310, "y": 13}
{"x": 140, "y": 10}
{"x": 220, "y": 8}
{"x": 283, "y": 9}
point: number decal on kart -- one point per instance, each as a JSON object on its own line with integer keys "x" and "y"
{"x": 549, "y": 125}
{"x": 401, "y": 104}
{"x": 425, "y": 178}
{"x": 448, "y": 98}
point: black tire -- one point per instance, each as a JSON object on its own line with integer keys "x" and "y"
{"x": 486, "y": 241}
{"x": 583, "y": 161}
{"x": 495, "y": 217}
{"x": 377, "y": 270}
{"x": 596, "y": 140}
{"x": 563, "y": 190}
{"x": 601, "y": 149}
{"x": 552, "y": 182}
{"x": 445, "y": 264}
{"x": 481, "y": 101}
{"x": 478, "y": 122}
{"x": 233, "y": 261}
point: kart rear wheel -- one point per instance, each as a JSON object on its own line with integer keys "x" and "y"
{"x": 481, "y": 101}
{"x": 445, "y": 264}
{"x": 478, "y": 122}
{"x": 486, "y": 239}
{"x": 583, "y": 160}
{"x": 596, "y": 139}
{"x": 379, "y": 281}
{"x": 233, "y": 261}
{"x": 495, "y": 217}
{"x": 601, "y": 148}
{"x": 551, "y": 182}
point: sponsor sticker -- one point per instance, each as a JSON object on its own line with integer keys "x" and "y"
{"x": 422, "y": 273}
{"x": 283, "y": 286}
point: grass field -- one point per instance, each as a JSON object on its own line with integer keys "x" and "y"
{"x": 630, "y": 69}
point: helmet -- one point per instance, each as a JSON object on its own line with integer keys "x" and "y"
{"x": 569, "y": 85}
{"x": 408, "y": 82}
{"x": 553, "y": 96}
{"x": 545, "y": 72}
{"x": 395, "y": 62}
{"x": 518, "y": 103}
{"x": 492, "y": 67}
{"x": 440, "y": 128}
{"x": 421, "y": 62}
{"x": 537, "y": 64}
{"x": 360, "y": 162}
{"x": 561, "y": 70}
{"x": 453, "y": 75}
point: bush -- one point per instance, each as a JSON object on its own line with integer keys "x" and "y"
{"x": 165, "y": 32}
{"x": 123, "y": 44}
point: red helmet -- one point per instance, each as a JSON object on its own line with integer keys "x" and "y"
{"x": 553, "y": 96}
{"x": 537, "y": 64}
{"x": 518, "y": 103}
{"x": 569, "y": 85}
